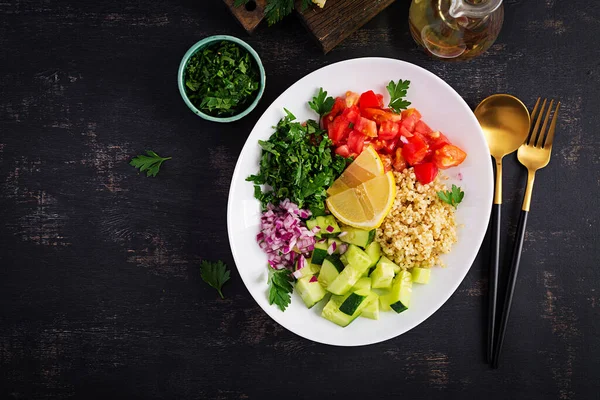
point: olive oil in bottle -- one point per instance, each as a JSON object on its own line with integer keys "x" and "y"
{"x": 455, "y": 29}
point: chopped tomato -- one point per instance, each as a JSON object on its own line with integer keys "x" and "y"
{"x": 343, "y": 150}
{"x": 338, "y": 130}
{"x": 423, "y": 128}
{"x": 409, "y": 122}
{"x": 368, "y": 100}
{"x": 399, "y": 161}
{"x": 390, "y": 146}
{"x": 388, "y": 130}
{"x": 351, "y": 114}
{"x": 415, "y": 150}
{"x": 351, "y": 99}
{"x": 437, "y": 139}
{"x": 425, "y": 172}
{"x": 356, "y": 141}
{"x": 380, "y": 100}
{"x": 405, "y": 132}
{"x": 387, "y": 162}
{"x": 377, "y": 144}
{"x": 338, "y": 106}
{"x": 448, "y": 156}
{"x": 366, "y": 127}
{"x": 411, "y": 112}
{"x": 377, "y": 115}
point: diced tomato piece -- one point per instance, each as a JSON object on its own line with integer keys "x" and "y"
{"x": 356, "y": 141}
{"x": 390, "y": 146}
{"x": 425, "y": 172}
{"x": 409, "y": 122}
{"x": 415, "y": 150}
{"x": 343, "y": 150}
{"x": 448, "y": 156}
{"x": 423, "y": 128}
{"x": 379, "y": 116}
{"x": 338, "y": 130}
{"x": 377, "y": 144}
{"x": 338, "y": 106}
{"x": 387, "y": 162}
{"x": 351, "y": 114}
{"x": 399, "y": 163}
{"x": 389, "y": 130}
{"x": 368, "y": 100}
{"x": 405, "y": 132}
{"x": 351, "y": 98}
{"x": 366, "y": 127}
{"x": 380, "y": 100}
{"x": 411, "y": 112}
{"x": 437, "y": 139}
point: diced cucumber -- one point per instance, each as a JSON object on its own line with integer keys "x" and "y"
{"x": 345, "y": 280}
{"x": 399, "y": 296}
{"x": 384, "y": 301}
{"x": 372, "y": 309}
{"x": 357, "y": 236}
{"x": 386, "y": 261}
{"x": 366, "y": 273}
{"x": 332, "y": 312}
{"x": 357, "y": 258}
{"x": 421, "y": 275}
{"x": 310, "y": 290}
{"x": 337, "y": 242}
{"x": 324, "y": 222}
{"x": 319, "y": 253}
{"x": 373, "y": 250}
{"x": 335, "y": 260}
{"x": 382, "y": 276}
{"x": 328, "y": 221}
{"x": 351, "y": 304}
{"x": 362, "y": 286}
{"x": 309, "y": 268}
{"x": 328, "y": 273}
{"x": 344, "y": 259}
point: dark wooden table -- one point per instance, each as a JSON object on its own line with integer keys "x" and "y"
{"x": 100, "y": 292}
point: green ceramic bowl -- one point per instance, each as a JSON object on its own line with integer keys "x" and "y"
{"x": 207, "y": 42}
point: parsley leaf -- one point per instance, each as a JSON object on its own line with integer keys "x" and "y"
{"x": 280, "y": 288}
{"x": 150, "y": 163}
{"x": 321, "y": 104}
{"x": 221, "y": 79}
{"x": 277, "y": 9}
{"x": 452, "y": 197}
{"x": 297, "y": 163}
{"x": 397, "y": 92}
{"x": 215, "y": 274}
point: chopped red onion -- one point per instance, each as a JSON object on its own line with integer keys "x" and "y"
{"x": 343, "y": 248}
{"x": 342, "y": 234}
{"x": 313, "y": 279}
{"x": 331, "y": 248}
{"x": 297, "y": 274}
{"x": 329, "y": 228}
{"x": 403, "y": 139}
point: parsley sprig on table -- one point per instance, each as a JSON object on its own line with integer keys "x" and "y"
{"x": 215, "y": 274}
{"x": 221, "y": 79}
{"x": 280, "y": 288}
{"x": 397, "y": 93}
{"x": 452, "y": 197}
{"x": 321, "y": 104}
{"x": 298, "y": 163}
{"x": 277, "y": 9}
{"x": 150, "y": 162}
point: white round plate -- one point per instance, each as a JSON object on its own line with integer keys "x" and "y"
{"x": 442, "y": 109}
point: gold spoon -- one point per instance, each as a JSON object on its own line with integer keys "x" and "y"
{"x": 505, "y": 122}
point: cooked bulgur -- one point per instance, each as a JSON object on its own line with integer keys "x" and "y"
{"x": 419, "y": 227}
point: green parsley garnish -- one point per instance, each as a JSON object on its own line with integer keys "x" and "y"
{"x": 280, "y": 288}
{"x": 215, "y": 274}
{"x": 397, "y": 92}
{"x": 277, "y": 9}
{"x": 298, "y": 162}
{"x": 221, "y": 79}
{"x": 321, "y": 104}
{"x": 452, "y": 197}
{"x": 150, "y": 163}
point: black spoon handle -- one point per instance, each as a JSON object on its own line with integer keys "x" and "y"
{"x": 512, "y": 279}
{"x": 493, "y": 276}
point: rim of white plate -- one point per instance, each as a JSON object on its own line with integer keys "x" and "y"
{"x": 487, "y": 193}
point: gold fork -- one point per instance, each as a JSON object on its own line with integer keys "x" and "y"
{"x": 534, "y": 154}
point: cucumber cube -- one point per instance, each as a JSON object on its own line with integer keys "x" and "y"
{"x": 357, "y": 258}
{"x": 382, "y": 276}
{"x": 421, "y": 275}
{"x": 372, "y": 309}
{"x": 374, "y": 252}
{"x": 310, "y": 290}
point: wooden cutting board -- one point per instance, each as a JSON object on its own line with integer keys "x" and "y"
{"x": 329, "y": 25}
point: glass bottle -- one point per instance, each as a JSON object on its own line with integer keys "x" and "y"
{"x": 455, "y": 29}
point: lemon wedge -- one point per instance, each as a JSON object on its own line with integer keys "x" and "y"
{"x": 367, "y": 166}
{"x": 366, "y": 205}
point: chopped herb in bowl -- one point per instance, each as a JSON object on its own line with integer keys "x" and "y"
{"x": 221, "y": 78}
